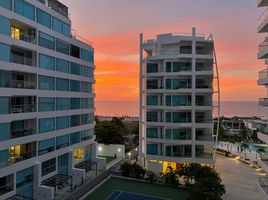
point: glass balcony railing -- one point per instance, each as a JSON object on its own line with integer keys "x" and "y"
{"x": 25, "y": 108}
{"x": 23, "y": 84}
{"x": 14, "y": 158}
{"x": 263, "y": 74}
{"x": 22, "y": 132}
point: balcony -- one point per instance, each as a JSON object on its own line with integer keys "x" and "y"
{"x": 22, "y": 152}
{"x": 23, "y": 104}
{"x": 263, "y": 22}
{"x": 23, "y": 57}
{"x": 263, "y": 77}
{"x": 6, "y": 184}
{"x": 20, "y": 31}
{"x": 203, "y": 117}
{"x": 203, "y": 135}
{"x": 205, "y": 83}
{"x": 263, "y": 101}
{"x": 263, "y": 49}
{"x": 262, "y": 3}
{"x": 23, "y": 128}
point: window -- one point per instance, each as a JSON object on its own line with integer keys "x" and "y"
{"x": 5, "y": 52}
{"x": 43, "y": 18}
{"x": 152, "y": 67}
{"x": 86, "y": 119}
{"x": 5, "y": 25}
{"x": 4, "y": 157}
{"x": 168, "y": 117}
{"x": 75, "y": 138}
{"x": 6, "y": 4}
{"x": 63, "y": 164}
{"x": 151, "y": 132}
{"x": 87, "y": 134}
{"x": 48, "y": 166}
{"x": 61, "y": 27}
{"x": 152, "y": 100}
{"x": 75, "y": 68}
{"x": 152, "y": 84}
{"x": 46, "y": 62}
{"x": 46, "y": 104}
{"x": 46, "y": 83}
{"x": 62, "y": 65}
{"x": 46, "y": 41}
{"x": 24, "y": 182}
{"x": 62, "y": 104}
{"x": 87, "y": 55}
{"x": 87, "y": 103}
{"x": 62, "y": 141}
{"x": 62, "y": 84}
{"x": 5, "y": 131}
{"x": 152, "y": 116}
{"x": 62, "y": 47}
{"x": 86, "y": 71}
{"x": 86, "y": 87}
{"x": 46, "y": 125}
{"x": 62, "y": 122}
{"x": 75, "y": 103}
{"x": 168, "y": 66}
{"x": 152, "y": 149}
{"x": 46, "y": 146}
{"x": 74, "y": 86}
{"x": 4, "y": 105}
{"x": 25, "y": 9}
{"x": 75, "y": 120}
{"x": 5, "y": 78}
{"x": 75, "y": 51}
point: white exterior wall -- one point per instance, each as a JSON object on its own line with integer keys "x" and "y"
{"x": 111, "y": 150}
{"x": 157, "y": 51}
{"x": 42, "y": 192}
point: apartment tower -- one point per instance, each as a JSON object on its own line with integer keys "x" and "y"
{"x": 263, "y": 80}
{"x": 176, "y": 89}
{"x": 46, "y": 100}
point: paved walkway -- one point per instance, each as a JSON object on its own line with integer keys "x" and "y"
{"x": 239, "y": 179}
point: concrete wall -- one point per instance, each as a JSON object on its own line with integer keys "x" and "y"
{"x": 111, "y": 150}
{"x": 155, "y": 167}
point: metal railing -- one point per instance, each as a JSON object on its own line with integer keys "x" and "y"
{"x": 23, "y": 60}
{"x": 263, "y": 74}
{"x": 6, "y": 188}
{"x": 23, "y": 108}
{"x": 14, "y": 158}
{"x": 23, "y": 84}
{"x": 22, "y": 132}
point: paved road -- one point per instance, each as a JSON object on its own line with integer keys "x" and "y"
{"x": 239, "y": 179}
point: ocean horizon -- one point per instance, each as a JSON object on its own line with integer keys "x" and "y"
{"x": 228, "y": 108}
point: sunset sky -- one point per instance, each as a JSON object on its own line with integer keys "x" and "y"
{"x": 113, "y": 26}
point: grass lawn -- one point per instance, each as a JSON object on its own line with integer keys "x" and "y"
{"x": 108, "y": 158}
{"x": 160, "y": 191}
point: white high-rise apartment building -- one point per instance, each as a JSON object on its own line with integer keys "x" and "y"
{"x": 263, "y": 80}
{"x": 46, "y": 100}
{"x": 176, "y": 90}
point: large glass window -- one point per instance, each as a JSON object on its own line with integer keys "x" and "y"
{"x": 62, "y": 65}
{"x": 46, "y": 125}
{"x": 75, "y": 103}
{"x": 152, "y": 149}
{"x": 4, "y": 157}
{"x": 87, "y": 55}
{"x": 4, "y": 105}
{"x": 46, "y": 104}
{"x": 151, "y": 132}
{"x": 75, "y": 138}
{"x": 46, "y": 83}
{"x": 46, "y": 146}
{"x": 5, "y": 52}
{"x": 62, "y": 141}
{"x": 86, "y": 87}
{"x": 62, "y": 84}
{"x": 75, "y": 68}
{"x": 74, "y": 86}
{"x": 43, "y": 18}
{"x": 6, "y": 4}
{"x": 63, "y": 164}
{"x": 86, "y": 119}
{"x": 48, "y": 166}
{"x": 46, "y": 41}
{"x": 66, "y": 29}
{"x": 87, "y": 134}
{"x": 5, "y": 25}
{"x": 61, "y": 27}
{"x": 75, "y": 120}
{"x": 24, "y": 182}
{"x": 152, "y": 116}
{"x": 46, "y": 62}
{"x": 62, "y": 122}
{"x": 62, "y": 47}
{"x": 86, "y": 71}
{"x": 5, "y": 78}
{"x": 5, "y": 129}
{"x": 152, "y": 100}
{"x": 62, "y": 104}
{"x": 25, "y": 9}
{"x": 86, "y": 103}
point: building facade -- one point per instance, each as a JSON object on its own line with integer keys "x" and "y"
{"x": 46, "y": 100}
{"x": 176, "y": 89}
{"x": 263, "y": 80}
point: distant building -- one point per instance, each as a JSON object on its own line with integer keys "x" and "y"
{"x": 46, "y": 101}
{"x": 263, "y": 80}
{"x": 176, "y": 89}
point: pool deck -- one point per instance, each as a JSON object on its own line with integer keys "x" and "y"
{"x": 240, "y": 180}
